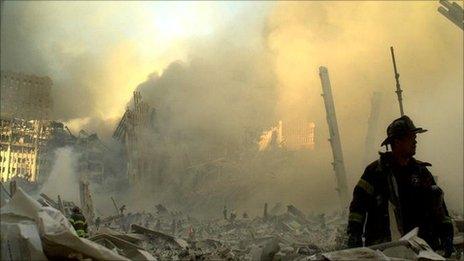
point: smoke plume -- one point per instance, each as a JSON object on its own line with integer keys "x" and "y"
{"x": 218, "y": 82}
{"x": 63, "y": 179}
{"x": 352, "y": 39}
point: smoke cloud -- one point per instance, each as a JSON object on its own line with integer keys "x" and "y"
{"x": 63, "y": 179}
{"x": 95, "y": 53}
{"x": 352, "y": 39}
{"x": 217, "y": 82}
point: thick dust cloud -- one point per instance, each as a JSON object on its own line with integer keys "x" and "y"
{"x": 63, "y": 176}
{"x": 212, "y": 107}
{"x": 353, "y": 39}
{"x": 215, "y": 89}
{"x": 95, "y": 52}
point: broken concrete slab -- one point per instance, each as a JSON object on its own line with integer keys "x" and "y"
{"x": 411, "y": 241}
{"x": 160, "y": 237}
{"x": 130, "y": 237}
{"x": 124, "y": 248}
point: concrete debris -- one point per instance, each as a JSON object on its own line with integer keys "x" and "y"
{"x": 409, "y": 247}
{"x": 412, "y": 242}
{"x": 169, "y": 235}
{"x": 122, "y": 247}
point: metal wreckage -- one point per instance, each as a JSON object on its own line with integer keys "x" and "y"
{"x": 39, "y": 229}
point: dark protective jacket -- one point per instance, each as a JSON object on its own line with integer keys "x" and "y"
{"x": 416, "y": 200}
{"x": 79, "y": 223}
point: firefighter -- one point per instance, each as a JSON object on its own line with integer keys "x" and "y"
{"x": 79, "y": 223}
{"x": 397, "y": 177}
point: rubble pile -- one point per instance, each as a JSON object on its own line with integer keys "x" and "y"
{"x": 172, "y": 235}
{"x": 32, "y": 230}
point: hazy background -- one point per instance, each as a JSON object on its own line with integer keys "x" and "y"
{"x": 219, "y": 68}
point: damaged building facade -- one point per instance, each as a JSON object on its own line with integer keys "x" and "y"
{"x": 137, "y": 132}
{"x": 30, "y": 137}
{"x": 25, "y": 128}
{"x": 25, "y": 152}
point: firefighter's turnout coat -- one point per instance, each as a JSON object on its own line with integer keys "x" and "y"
{"x": 416, "y": 200}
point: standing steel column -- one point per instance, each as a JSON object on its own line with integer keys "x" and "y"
{"x": 338, "y": 165}
{"x": 397, "y": 78}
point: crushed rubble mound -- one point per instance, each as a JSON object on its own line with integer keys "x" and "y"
{"x": 31, "y": 231}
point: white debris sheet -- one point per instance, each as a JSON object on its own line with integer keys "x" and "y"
{"x": 33, "y": 232}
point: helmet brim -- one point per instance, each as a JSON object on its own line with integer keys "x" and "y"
{"x": 388, "y": 139}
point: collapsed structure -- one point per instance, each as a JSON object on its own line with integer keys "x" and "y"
{"x": 137, "y": 131}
